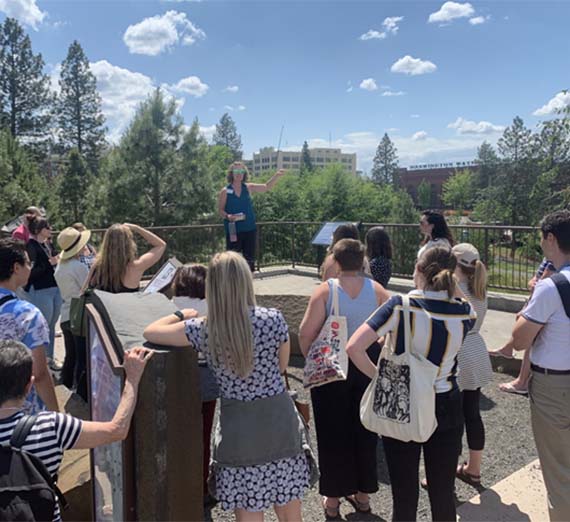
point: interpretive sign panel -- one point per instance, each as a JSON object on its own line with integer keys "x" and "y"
{"x": 324, "y": 236}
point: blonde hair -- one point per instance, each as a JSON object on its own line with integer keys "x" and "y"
{"x": 476, "y": 279}
{"x": 229, "y": 294}
{"x": 230, "y": 174}
{"x": 437, "y": 266}
{"x": 117, "y": 251}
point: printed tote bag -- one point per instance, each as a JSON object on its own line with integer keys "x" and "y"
{"x": 400, "y": 400}
{"x": 327, "y": 360}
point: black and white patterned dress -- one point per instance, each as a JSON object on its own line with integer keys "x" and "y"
{"x": 256, "y": 488}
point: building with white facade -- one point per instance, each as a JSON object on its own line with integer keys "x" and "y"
{"x": 268, "y": 159}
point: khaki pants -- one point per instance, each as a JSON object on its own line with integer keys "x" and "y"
{"x": 550, "y": 415}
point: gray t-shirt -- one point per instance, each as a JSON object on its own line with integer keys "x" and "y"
{"x": 70, "y": 276}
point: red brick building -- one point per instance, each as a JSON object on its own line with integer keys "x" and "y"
{"x": 435, "y": 174}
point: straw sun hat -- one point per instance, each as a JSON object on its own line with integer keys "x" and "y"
{"x": 71, "y": 242}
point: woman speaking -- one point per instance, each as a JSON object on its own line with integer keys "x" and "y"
{"x": 236, "y": 207}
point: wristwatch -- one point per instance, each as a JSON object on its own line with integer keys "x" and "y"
{"x": 179, "y": 314}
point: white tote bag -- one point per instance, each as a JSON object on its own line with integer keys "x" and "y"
{"x": 327, "y": 360}
{"x": 400, "y": 401}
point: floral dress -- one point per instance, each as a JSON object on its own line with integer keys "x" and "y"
{"x": 255, "y": 488}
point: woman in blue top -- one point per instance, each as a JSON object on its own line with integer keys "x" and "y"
{"x": 236, "y": 207}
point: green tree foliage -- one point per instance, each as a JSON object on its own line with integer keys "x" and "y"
{"x": 458, "y": 191}
{"x": 385, "y": 164}
{"x": 72, "y": 188}
{"x": 80, "y": 118}
{"x": 424, "y": 194}
{"x": 488, "y": 166}
{"x": 226, "y": 134}
{"x": 306, "y": 161}
{"x": 25, "y": 98}
{"x": 21, "y": 184}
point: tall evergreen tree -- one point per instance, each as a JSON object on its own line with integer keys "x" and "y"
{"x": 226, "y": 134}
{"x": 79, "y": 107}
{"x": 488, "y": 162}
{"x": 424, "y": 194}
{"x": 385, "y": 163}
{"x": 306, "y": 162}
{"x": 73, "y": 185}
{"x": 25, "y": 98}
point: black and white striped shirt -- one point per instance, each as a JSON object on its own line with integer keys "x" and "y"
{"x": 51, "y": 434}
{"x": 438, "y": 326}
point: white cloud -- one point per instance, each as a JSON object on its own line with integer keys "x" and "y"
{"x": 477, "y": 20}
{"x": 414, "y": 115}
{"x": 463, "y": 126}
{"x": 372, "y": 34}
{"x": 413, "y": 66}
{"x": 192, "y": 85}
{"x": 208, "y": 132}
{"x": 393, "y": 93}
{"x": 390, "y": 23}
{"x": 160, "y": 33}
{"x": 121, "y": 92}
{"x": 231, "y": 108}
{"x": 392, "y": 129}
{"x": 26, "y": 11}
{"x": 420, "y": 136}
{"x": 369, "y": 84}
{"x": 231, "y": 88}
{"x": 450, "y": 11}
{"x": 560, "y": 101}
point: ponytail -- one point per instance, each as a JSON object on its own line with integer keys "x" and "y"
{"x": 478, "y": 283}
{"x": 444, "y": 280}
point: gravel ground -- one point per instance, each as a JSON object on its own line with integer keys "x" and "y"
{"x": 510, "y": 446}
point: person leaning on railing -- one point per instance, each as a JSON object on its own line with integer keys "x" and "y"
{"x": 117, "y": 268}
{"x": 236, "y": 207}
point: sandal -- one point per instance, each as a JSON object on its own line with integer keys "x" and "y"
{"x": 360, "y": 507}
{"x": 509, "y": 387}
{"x": 331, "y": 513}
{"x": 473, "y": 480}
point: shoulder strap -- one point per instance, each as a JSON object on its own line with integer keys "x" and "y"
{"x": 563, "y": 287}
{"x": 335, "y": 308}
{"x": 407, "y": 328}
{"x": 6, "y": 298}
{"x": 22, "y": 430}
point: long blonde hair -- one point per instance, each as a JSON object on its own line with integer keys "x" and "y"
{"x": 476, "y": 279}
{"x": 117, "y": 251}
{"x": 229, "y": 293}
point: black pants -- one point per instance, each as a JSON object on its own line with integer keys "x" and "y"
{"x": 245, "y": 244}
{"x": 74, "y": 371}
{"x": 441, "y": 452}
{"x": 473, "y": 422}
{"x": 347, "y": 451}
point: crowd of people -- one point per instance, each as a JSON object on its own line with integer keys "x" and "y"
{"x": 263, "y": 457}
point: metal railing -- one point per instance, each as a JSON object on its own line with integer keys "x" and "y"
{"x": 511, "y": 254}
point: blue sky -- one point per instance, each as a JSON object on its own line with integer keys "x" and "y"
{"x": 439, "y": 77}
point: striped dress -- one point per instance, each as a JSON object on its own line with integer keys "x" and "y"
{"x": 50, "y": 435}
{"x": 475, "y": 370}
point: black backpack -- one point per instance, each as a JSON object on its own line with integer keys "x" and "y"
{"x": 27, "y": 490}
{"x": 563, "y": 287}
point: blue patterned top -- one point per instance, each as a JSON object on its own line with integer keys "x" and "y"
{"x": 22, "y": 321}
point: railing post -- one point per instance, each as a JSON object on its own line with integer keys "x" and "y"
{"x": 293, "y": 246}
{"x": 486, "y": 249}
{"x": 259, "y": 246}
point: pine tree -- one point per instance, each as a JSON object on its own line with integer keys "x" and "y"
{"x": 488, "y": 162}
{"x": 79, "y": 107}
{"x": 25, "y": 98}
{"x": 385, "y": 164}
{"x": 306, "y": 162}
{"x": 226, "y": 134}
{"x": 73, "y": 186}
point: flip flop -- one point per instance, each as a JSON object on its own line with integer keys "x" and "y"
{"x": 331, "y": 513}
{"x": 361, "y": 507}
{"x": 497, "y": 353}
{"x": 472, "y": 480}
{"x": 507, "y": 387}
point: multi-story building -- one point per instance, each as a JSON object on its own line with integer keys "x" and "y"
{"x": 268, "y": 159}
{"x": 435, "y": 175}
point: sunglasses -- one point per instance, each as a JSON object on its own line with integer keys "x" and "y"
{"x": 239, "y": 171}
